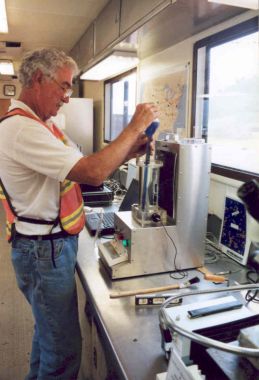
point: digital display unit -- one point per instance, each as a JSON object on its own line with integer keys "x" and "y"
{"x": 233, "y": 238}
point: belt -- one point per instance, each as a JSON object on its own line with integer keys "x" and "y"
{"x": 56, "y": 235}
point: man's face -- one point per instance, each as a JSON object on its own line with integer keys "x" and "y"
{"x": 54, "y": 92}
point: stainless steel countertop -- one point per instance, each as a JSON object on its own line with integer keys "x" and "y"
{"x": 132, "y": 332}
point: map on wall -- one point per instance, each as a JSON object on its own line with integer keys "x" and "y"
{"x": 170, "y": 92}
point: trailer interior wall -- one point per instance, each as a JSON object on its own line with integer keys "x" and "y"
{"x": 174, "y": 55}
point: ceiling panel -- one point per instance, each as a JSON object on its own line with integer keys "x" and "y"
{"x": 48, "y": 23}
{"x": 80, "y": 8}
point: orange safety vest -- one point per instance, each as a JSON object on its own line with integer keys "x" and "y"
{"x": 71, "y": 216}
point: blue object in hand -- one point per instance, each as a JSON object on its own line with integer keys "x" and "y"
{"x": 152, "y": 128}
{"x": 149, "y": 133}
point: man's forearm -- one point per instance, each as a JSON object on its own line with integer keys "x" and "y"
{"x": 95, "y": 168}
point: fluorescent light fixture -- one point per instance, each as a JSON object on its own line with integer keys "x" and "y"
{"x": 116, "y": 63}
{"x": 250, "y": 4}
{"x": 6, "y": 68}
{"x": 3, "y": 18}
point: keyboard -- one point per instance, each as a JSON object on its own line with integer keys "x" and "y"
{"x": 105, "y": 227}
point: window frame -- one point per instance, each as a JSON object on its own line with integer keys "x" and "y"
{"x": 237, "y": 31}
{"x": 112, "y": 81}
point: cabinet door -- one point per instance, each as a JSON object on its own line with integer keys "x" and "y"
{"x": 135, "y": 12}
{"x": 107, "y": 26}
{"x": 99, "y": 364}
{"x": 86, "y": 331}
{"x": 74, "y": 53}
{"x": 86, "y": 47}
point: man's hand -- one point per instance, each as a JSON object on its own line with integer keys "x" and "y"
{"x": 144, "y": 114}
{"x": 140, "y": 147}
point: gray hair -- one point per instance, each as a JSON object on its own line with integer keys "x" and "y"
{"x": 48, "y": 61}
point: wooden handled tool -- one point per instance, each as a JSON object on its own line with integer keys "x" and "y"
{"x": 214, "y": 278}
{"x": 128, "y": 293}
{"x": 210, "y": 276}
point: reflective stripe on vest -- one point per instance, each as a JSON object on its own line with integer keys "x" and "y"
{"x": 71, "y": 211}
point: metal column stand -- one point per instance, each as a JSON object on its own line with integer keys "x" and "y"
{"x": 208, "y": 342}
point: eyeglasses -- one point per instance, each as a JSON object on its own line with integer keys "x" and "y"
{"x": 67, "y": 91}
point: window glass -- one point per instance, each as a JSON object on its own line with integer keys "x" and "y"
{"x": 227, "y": 97}
{"x": 120, "y": 102}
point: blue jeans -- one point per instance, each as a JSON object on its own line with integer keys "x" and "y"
{"x": 51, "y": 292}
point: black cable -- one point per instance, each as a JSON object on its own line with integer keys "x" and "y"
{"x": 213, "y": 251}
{"x": 213, "y": 254}
{"x": 250, "y": 277}
{"x": 252, "y": 296}
{"x": 182, "y": 274}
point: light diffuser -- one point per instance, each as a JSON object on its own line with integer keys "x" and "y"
{"x": 6, "y": 68}
{"x": 116, "y": 63}
{"x": 250, "y": 4}
{"x": 3, "y": 18}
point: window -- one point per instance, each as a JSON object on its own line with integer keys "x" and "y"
{"x": 120, "y": 102}
{"x": 226, "y": 99}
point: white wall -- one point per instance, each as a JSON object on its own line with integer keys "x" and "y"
{"x": 76, "y": 119}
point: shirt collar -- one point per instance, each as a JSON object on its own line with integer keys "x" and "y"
{"x": 18, "y": 104}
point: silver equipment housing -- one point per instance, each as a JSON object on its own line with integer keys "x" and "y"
{"x": 183, "y": 193}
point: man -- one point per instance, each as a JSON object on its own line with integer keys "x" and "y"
{"x": 38, "y": 172}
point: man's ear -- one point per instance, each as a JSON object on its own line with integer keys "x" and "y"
{"x": 37, "y": 77}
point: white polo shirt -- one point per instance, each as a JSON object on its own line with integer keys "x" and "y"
{"x": 33, "y": 162}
